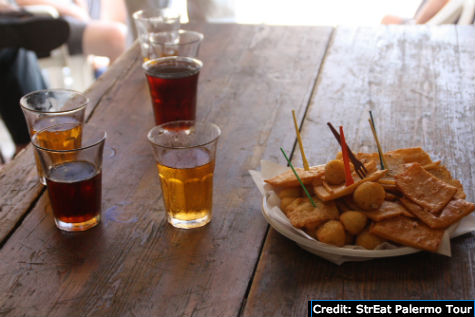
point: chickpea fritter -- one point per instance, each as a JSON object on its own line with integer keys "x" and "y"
{"x": 332, "y": 232}
{"x": 335, "y": 172}
{"x": 368, "y": 240}
{"x": 369, "y": 195}
{"x": 353, "y": 221}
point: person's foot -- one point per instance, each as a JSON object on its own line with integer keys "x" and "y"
{"x": 34, "y": 33}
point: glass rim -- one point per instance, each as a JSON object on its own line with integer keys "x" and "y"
{"x": 197, "y": 38}
{"x": 140, "y": 14}
{"x": 148, "y": 63}
{"x": 24, "y": 105}
{"x": 100, "y": 139}
{"x": 183, "y": 122}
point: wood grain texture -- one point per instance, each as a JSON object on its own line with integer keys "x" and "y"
{"x": 134, "y": 263}
{"x": 419, "y": 83}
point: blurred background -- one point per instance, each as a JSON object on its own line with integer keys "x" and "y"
{"x": 63, "y": 68}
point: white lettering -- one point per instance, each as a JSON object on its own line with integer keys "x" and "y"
{"x": 374, "y": 309}
{"x": 359, "y": 309}
{"x": 458, "y": 310}
{"x": 315, "y": 311}
{"x": 343, "y": 309}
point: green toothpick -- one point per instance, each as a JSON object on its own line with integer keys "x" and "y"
{"x": 298, "y": 178}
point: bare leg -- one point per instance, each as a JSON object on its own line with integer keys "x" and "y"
{"x": 113, "y": 10}
{"x": 430, "y": 8}
{"x": 105, "y": 38}
{"x": 426, "y": 12}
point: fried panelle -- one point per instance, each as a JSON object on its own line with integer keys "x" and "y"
{"x": 424, "y": 189}
{"x": 302, "y": 214}
{"x": 288, "y": 179}
{"x": 455, "y": 210}
{"x": 443, "y": 173}
{"x": 407, "y": 231}
{"x": 387, "y": 210}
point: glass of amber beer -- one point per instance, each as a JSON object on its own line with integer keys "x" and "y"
{"x": 50, "y": 107}
{"x": 73, "y": 177}
{"x": 185, "y": 153}
{"x": 173, "y": 84}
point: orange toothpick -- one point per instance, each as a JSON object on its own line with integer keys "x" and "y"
{"x": 346, "y": 160}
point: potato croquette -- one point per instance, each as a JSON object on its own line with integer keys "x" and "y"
{"x": 353, "y": 221}
{"x": 369, "y": 195}
{"x": 368, "y": 240}
{"x": 334, "y": 172}
{"x": 332, "y": 232}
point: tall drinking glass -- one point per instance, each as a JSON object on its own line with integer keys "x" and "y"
{"x": 173, "y": 84}
{"x": 151, "y": 21}
{"x": 44, "y": 108}
{"x": 73, "y": 177}
{"x": 165, "y": 44}
{"x": 185, "y": 153}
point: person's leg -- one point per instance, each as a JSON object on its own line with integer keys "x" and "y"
{"x": 20, "y": 75}
{"x": 105, "y": 39}
{"x": 113, "y": 10}
{"x": 34, "y": 33}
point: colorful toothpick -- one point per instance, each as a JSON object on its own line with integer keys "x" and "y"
{"x": 346, "y": 161}
{"x": 299, "y": 139}
{"x": 382, "y": 160}
{"x": 298, "y": 178}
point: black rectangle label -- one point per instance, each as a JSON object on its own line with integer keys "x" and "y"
{"x": 391, "y": 307}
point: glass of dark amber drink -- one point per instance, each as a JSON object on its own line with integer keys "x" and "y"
{"x": 173, "y": 83}
{"x": 73, "y": 177}
{"x": 185, "y": 153}
{"x": 50, "y": 107}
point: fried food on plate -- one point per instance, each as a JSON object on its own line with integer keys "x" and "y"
{"x": 410, "y": 204}
{"x": 387, "y": 210}
{"x": 454, "y": 211}
{"x": 302, "y": 214}
{"x": 353, "y": 221}
{"x": 369, "y": 195}
{"x": 288, "y": 179}
{"x": 368, "y": 240}
{"x": 424, "y": 189}
{"x": 332, "y": 232}
{"x": 335, "y": 172}
{"x": 327, "y": 193}
{"x": 408, "y": 231}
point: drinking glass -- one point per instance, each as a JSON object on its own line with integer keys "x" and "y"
{"x": 185, "y": 153}
{"x": 173, "y": 85}
{"x": 44, "y": 108}
{"x": 151, "y": 21}
{"x": 165, "y": 44}
{"x": 73, "y": 177}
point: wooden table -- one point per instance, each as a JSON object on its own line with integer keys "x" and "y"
{"x": 419, "y": 82}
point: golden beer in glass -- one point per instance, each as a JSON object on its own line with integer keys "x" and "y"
{"x": 185, "y": 154}
{"x": 45, "y": 108}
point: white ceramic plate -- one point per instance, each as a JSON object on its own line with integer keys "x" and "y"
{"x": 331, "y": 253}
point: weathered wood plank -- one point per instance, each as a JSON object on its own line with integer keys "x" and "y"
{"x": 134, "y": 263}
{"x": 419, "y": 83}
